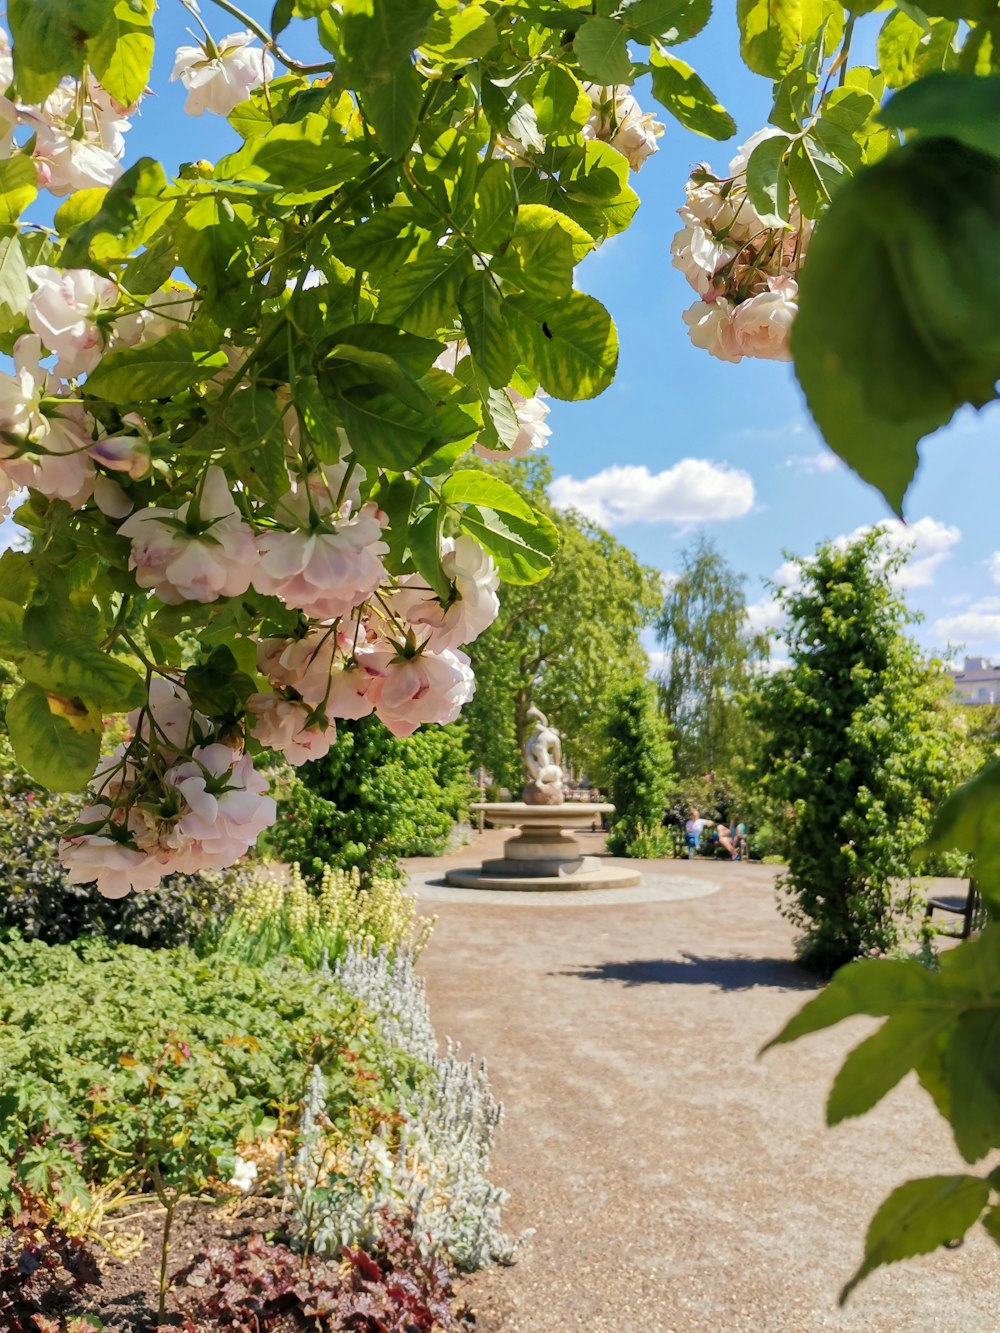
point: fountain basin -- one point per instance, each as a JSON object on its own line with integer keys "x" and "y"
{"x": 543, "y": 854}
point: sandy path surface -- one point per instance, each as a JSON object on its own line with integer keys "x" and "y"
{"x": 676, "y": 1182}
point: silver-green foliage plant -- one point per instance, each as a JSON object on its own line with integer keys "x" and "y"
{"x": 434, "y": 1166}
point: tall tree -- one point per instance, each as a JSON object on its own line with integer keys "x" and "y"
{"x": 639, "y": 769}
{"x": 711, "y": 657}
{"x": 561, "y": 643}
{"x": 859, "y": 742}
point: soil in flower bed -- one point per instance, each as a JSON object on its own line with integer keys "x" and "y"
{"x": 126, "y": 1301}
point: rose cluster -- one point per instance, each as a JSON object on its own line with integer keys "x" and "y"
{"x": 618, "y": 119}
{"x": 177, "y": 798}
{"x": 744, "y": 270}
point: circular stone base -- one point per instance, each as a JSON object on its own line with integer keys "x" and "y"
{"x": 610, "y": 877}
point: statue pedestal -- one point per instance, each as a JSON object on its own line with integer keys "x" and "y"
{"x": 543, "y": 854}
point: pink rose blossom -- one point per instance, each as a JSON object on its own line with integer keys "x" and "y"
{"x": 475, "y": 604}
{"x": 284, "y": 725}
{"x": 324, "y": 571}
{"x": 430, "y": 687}
{"x": 215, "y": 560}
{"x": 65, "y": 309}
{"x": 220, "y": 82}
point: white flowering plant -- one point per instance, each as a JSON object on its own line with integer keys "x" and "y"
{"x": 240, "y": 397}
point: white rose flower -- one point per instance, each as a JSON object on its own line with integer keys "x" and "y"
{"x": 215, "y": 559}
{"x": 618, "y": 119}
{"x": 710, "y": 327}
{"x": 244, "y": 1174}
{"x": 324, "y": 571}
{"x": 430, "y": 687}
{"x": 738, "y": 165}
{"x": 222, "y": 81}
{"x": 283, "y": 725}
{"x": 65, "y": 311}
{"x": 475, "y": 604}
{"x": 699, "y": 256}
{"x": 95, "y": 858}
{"x": 77, "y": 149}
{"x": 227, "y": 805}
{"x": 761, "y": 326}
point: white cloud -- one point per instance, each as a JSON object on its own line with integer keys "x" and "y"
{"x": 766, "y": 614}
{"x": 979, "y": 627}
{"x": 788, "y": 574}
{"x": 994, "y": 564}
{"x": 929, "y": 541}
{"x": 692, "y": 491}
{"x": 825, "y": 460}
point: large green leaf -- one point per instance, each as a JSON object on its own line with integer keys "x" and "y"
{"x": 868, "y": 987}
{"x": 126, "y": 216}
{"x": 511, "y": 113}
{"x": 899, "y": 319}
{"x": 393, "y": 108}
{"x": 256, "y": 419}
{"x": 82, "y": 671}
{"x": 425, "y": 548}
{"x": 481, "y": 309}
{"x": 954, "y": 106}
{"x": 969, "y": 821}
{"x": 562, "y": 105}
{"x": 372, "y": 38}
{"x": 172, "y": 364}
{"x": 55, "y": 739}
{"x": 460, "y": 34}
{"x": 50, "y": 39}
{"x": 668, "y": 21}
{"x": 11, "y": 629}
{"x": 972, "y": 1061}
{"x": 214, "y": 243}
{"x": 14, "y": 286}
{"x": 18, "y": 187}
{"x": 571, "y": 347}
{"x": 493, "y": 221}
{"x": 772, "y": 32}
{"x": 679, "y": 89}
{"x": 601, "y": 50}
{"x": 421, "y": 296}
{"x": 917, "y": 1218}
{"x": 121, "y": 53}
{"x": 767, "y": 180}
{"x": 473, "y": 486}
{"x": 521, "y": 548}
{"x": 878, "y": 1063}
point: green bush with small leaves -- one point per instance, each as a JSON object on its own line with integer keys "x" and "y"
{"x": 639, "y": 769}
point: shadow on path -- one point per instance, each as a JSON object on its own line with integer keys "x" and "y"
{"x": 690, "y": 969}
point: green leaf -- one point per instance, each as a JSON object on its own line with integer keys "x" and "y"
{"x": 395, "y": 497}
{"x": 481, "y": 309}
{"x": 18, "y": 187}
{"x": 594, "y": 190}
{"x": 972, "y": 1060}
{"x": 510, "y": 113}
{"x": 991, "y": 1221}
{"x": 421, "y": 296}
{"x": 877, "y": 988}
{"x": 767, "y": 180}
{"x": 256, "y": 419}
{"x": 159, "y": 370}
{"x": 56, "y": 740}
{"x": 381, "y": 242}
{"x": 475, "y": 487}
{"x": 969, "y": 821}
{"x": 879, "y": 1063}
{"x": 128, "y": 215}
{"x": 493, "y": 219}
{"x": 546, "y": 247}
{"x": 460, "y": 35}
{"x": 668, "y": 21}
{"x": 82, "y": 671}
{"x": 601, "y": 50}
{"x": 898, "y": 43}
{"x": 814, "y": 175}
{"x": 562, "y": 105}
{"x": 899, "y": 320}
{"x": 772, "y": 33}
{"x": 571, "y": 347}
{"x": 372, "y": 38}
{"x": 11, "y": 631}
{"x": 521, "y": 548}
{"x": 954, "y": 106}
{"x": 917, "y": 1218}
{"x": 214, "y": 244}
{"x": 383, "y": 431}
{"x": 50, "y": 40}
{"x": 14, "y": 286}
{"x": 681, "y": 92}
{"x": 425, "y": 549}
{"x": 121, "y": 53}
{"x": 393, "y": 108}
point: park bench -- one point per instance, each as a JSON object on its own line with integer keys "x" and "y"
{"x": 969, "y": 907}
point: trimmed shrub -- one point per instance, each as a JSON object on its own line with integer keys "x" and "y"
{"x": 639, "y": 771}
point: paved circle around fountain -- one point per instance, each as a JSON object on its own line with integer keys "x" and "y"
{"x": 656, "y": 887}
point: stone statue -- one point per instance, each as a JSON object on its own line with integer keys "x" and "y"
{"x": 542, "y": 759}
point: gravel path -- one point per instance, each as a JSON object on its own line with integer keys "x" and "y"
{"x": 675, "y": 1182}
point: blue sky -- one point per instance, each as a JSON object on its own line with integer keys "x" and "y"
{"x": 760, "y": 482}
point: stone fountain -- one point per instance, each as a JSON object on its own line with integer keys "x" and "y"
{"x": 543, "y": 854}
